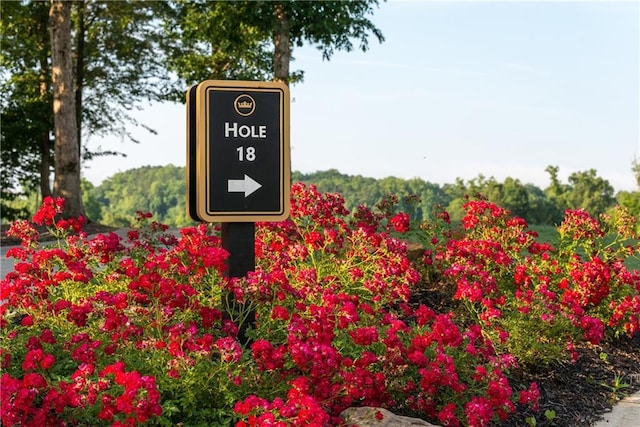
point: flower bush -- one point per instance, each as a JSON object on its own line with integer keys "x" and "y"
{"x": 536, "y": 300}
{"x": 106, "y": 330}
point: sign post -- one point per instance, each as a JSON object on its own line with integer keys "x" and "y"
{"x": 238, "y": 164}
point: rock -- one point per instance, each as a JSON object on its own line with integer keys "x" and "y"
{"x": 367, "y": 416}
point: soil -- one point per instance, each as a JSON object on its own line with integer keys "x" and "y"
{"x": 578, "y": 394}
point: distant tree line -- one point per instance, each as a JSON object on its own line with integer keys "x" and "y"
{"x": 584, "y": 190}
{"x": 161, "y": 191}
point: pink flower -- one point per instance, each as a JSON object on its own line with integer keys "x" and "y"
{"x": 229, "y": 349}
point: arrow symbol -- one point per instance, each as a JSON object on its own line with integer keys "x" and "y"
{"x": 246, "y": 185}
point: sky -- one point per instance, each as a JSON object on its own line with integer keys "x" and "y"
{"x": 456, "y": 90}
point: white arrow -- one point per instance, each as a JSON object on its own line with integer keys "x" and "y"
{"x": 246, "y": 185}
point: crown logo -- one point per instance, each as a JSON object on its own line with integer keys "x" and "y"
{"x": 244, "y": 105}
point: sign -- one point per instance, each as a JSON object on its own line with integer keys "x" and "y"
{"x": 238, "y": 151}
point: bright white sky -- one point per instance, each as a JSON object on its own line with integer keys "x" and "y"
{"x": 458, "y": 89}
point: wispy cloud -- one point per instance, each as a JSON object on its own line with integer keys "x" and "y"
{"x": 318, "y": 58}
{"x": 443, "y": 70}
{"x": 396, "y": 65}
{"x": 523, "y": 67}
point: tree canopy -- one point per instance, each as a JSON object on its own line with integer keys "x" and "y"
{"x": 25, "y": 102}
{"x": 249, "y": 40}
{"x": 116, "y": 66}
{"x": 127, "y": 53}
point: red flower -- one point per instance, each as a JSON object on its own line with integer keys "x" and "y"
{"x": 47, "y": 361}
{"x": 48, "y": 211}
{"x": 400, "y": 222}
{"x": 531, "y": 396}
{"x": 364, "y": 335}
{"x": 447, "y": 415}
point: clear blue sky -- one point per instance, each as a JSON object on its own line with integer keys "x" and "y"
{"x": 458, "y": 89}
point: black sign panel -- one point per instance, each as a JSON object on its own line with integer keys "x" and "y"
{"x": 241, "y": 151}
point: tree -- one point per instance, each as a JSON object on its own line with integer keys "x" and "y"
{"x": 67, "y": 158}
{"x": 631, "y": 199}
{"x": 26, "y": 103}
{"x": 211, "y": 40}
{"x": 556, "y": 191}
{"x": 117, "y": 65}
{"x": 585, "y": 190}
{"x": 541, "y": 210}
{"x": 511, "y": 195}
{"x": 156, "y": 189}
{"x": 329, "y": 25}
{"x": 590, "y": 192}
{"x": 254, "y": 40}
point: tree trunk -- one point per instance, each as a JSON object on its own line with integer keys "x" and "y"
{"x": 45, "y": 80}
{"x": 79, "y": 82}
{"x": 67, "y": 161}
{"x": 45, "y": 164}
{"x": 282, "y": 45}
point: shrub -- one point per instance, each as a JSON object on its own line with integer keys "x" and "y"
{"x": 106, "y": 330}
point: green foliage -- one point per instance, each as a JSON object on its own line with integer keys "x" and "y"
{"x": 117, "y": 65}
{"x": 211, "y": 40}
{"x": 92, "y": 207}
{"x": 635, "y": 168}
{"x": 616, "y": 388}
{"x": 358, "y": 190}
{"x": 19, "y": 206}
{"x": 118, "y": 46}
{"x": 589, "y": 192}
{"x": 159, "y": 189}
{"x": 307, "y": 22}
{"x": 631, "y": 201}
{"x": 585, "y": 190}
{"x": 235, "y": 40}
{"x": 25, "y": 102}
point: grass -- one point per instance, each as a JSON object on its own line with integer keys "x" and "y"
{"x": 546, "y": 233}
{"x": 549, "y": 234}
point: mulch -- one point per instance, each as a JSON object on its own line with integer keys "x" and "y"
{"x": 581, "y": 393}
{"x": 578, "y": 393}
